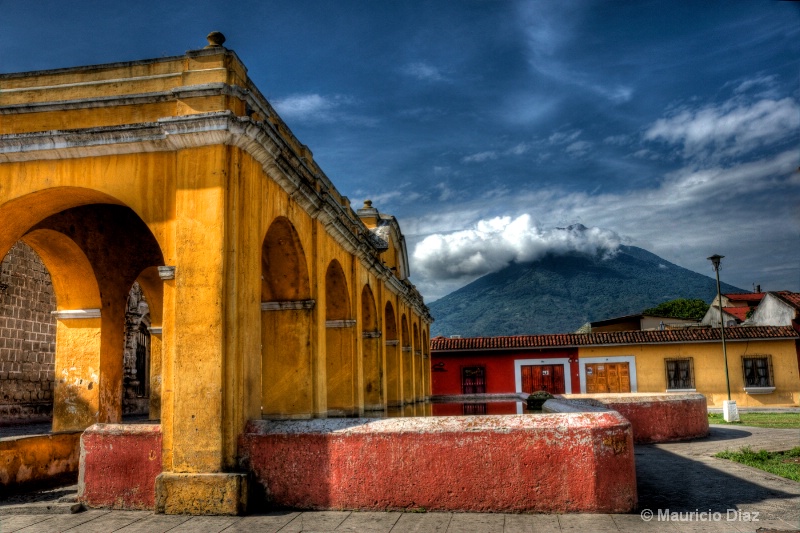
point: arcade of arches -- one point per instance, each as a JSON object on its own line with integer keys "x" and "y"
{"x": 268, "y": 295}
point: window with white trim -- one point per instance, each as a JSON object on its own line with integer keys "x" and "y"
{"x": 679, "y": 373}
{"x": 757, "y": 371}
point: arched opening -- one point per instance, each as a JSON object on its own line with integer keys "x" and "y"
{"x": 136, "y": 359}
{"x": 426, "y": 364}
{"x": 418, "y": 391}
{"x": 339, "y": 345}
{"x": 394, "y": 392}
{"x": 408, "y": 361}
{"x": 93, "y": 254}
{"x": 152, "y": 287}
{"x": 286, "y": 321}
{"x": 371, "y": 348}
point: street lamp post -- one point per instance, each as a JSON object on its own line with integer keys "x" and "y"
{"x": 729, "y": 411}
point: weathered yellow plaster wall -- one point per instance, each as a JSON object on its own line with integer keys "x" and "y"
{"x": 234, "y": 342}
{"x": 76, "y": 399}
{"x": 38, "y": 459}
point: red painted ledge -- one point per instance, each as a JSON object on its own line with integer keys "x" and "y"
{"x": 119, "y": 465}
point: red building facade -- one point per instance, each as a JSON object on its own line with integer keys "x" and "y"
{"x": 502, "y": 365}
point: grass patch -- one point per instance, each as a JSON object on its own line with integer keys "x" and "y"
{"x": 761, "y": 420}
{"x": 784, "y": 464}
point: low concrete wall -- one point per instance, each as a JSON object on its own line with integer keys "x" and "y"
{"x": 580, "y": 462}
{"x": 36, "y": 460}
{"x": 119, "y": 465}
{"x": 655, "y": 417}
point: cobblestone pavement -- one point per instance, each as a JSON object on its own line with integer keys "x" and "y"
{"x": 678, "y": 478}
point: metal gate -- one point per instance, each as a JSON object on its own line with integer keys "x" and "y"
{"x": 142, "y": 360}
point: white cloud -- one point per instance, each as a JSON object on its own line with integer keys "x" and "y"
{"x": 495, "y": 243}
{"x": 564, "y": 137}
{"x": 731, "y": 129}
{"x": 617, "y": 140}
{"x": 519, "y": 149}
{"x": 318, "y": 108}
{"x": 423, "y": 71}
{"x": 481, "y": 157}
{"x": 578, "y": 148}
{"x": 489, "y": 155}
{"x": 747, "y": 212}
{"x": 763, "y": 82}
{"x": 304, "y": 106}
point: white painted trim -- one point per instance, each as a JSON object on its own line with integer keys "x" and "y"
{"x": 288, "y": 305}
{"x": 155, "y": 330}
{"x": 371, "y": 334}
{"x": 406, "y": 349}
{"x": 564, "y": 361}
{"x": 340, "y": 323}
{"x": 68, "y": 314}
{"x": 166, "y": 272}
{"x": 681, "y": 390}
{"x": 96, "y": 82}
{"x": 759, "y": 390}
{"x": 630, "y": 359}
{"x": 394, "y": 342}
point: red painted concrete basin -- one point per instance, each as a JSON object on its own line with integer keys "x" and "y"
{"x": 119, "y": 465}
{"x": 655, "y": 417}
{"x": 577, "y": 462}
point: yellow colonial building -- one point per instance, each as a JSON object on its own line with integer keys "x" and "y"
{"x": 270, "y": 296}
{"x": 762, "y": 363}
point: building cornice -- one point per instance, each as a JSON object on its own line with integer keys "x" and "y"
{"x": 260, "y": 140}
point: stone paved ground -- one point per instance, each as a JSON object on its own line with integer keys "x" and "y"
{"x": 679, "y": 477}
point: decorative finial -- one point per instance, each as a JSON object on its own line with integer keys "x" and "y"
{"x": 215, "y": 39}
{"x": 367, "y": 204}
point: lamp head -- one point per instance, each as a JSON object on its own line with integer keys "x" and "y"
{"x": 715, "y": 259}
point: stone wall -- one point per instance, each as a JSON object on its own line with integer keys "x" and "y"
{"x": 27, "y": 336}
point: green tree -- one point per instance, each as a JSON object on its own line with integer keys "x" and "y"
{"x": 694, "y": 309}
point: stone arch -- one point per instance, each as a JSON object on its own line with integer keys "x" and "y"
{"x": 407, "y": 356}
{"x": 18, "y": 215}
{"x": 394, "y": 392}
{"x": 283, "y": 258}
{"x": 339, "y": 343}
{"x": 93, "y": 252}
{"x": 418, "y": 392}
{"x": 286, "y": 324}
{"x": 371, "y": 349}
{"x": 74, "y": 281}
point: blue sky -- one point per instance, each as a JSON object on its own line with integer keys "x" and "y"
{"x": 485, "y": 125}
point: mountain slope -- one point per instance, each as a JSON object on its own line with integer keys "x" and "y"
{"x": 558, "y": 294}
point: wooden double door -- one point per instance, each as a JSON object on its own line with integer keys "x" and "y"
{"x": 607, "y": 377}
{"x": 548, "y": 378}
